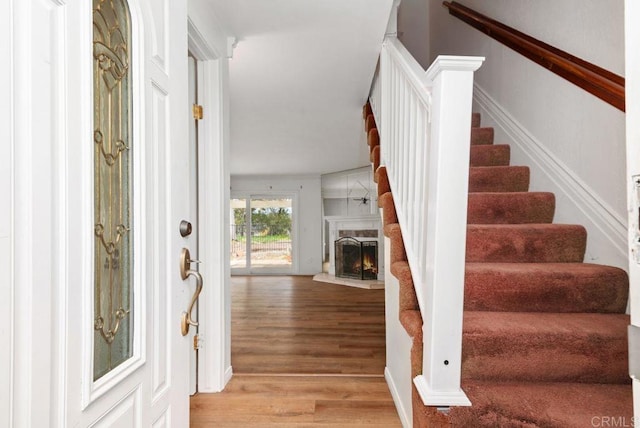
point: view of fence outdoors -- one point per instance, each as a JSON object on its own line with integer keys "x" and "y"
{"x": 261, "y": 233}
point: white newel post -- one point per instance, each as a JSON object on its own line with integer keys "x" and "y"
{"x": 443, "y": 285}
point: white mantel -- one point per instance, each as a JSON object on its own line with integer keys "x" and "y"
{"x": 364, "y": 222}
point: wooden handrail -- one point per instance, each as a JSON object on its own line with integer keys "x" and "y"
{"x": 602, "y": 83}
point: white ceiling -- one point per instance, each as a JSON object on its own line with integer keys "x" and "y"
{"x": 300, "y": 73}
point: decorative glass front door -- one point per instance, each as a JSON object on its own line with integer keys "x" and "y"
{"x": 113, "y": 243}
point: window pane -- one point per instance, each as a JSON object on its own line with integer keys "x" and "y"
{"x": 238, "y": 233}
{"x": 271, "y": 233}
{"x": 113, "y": 251}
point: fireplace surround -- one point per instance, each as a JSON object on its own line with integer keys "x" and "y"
{"x": 362, "y": 228}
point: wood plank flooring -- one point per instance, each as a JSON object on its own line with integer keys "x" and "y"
{"x": 292, "y": 324}
{"x": 252, "y": 401}
{"x": 304, "y": 354}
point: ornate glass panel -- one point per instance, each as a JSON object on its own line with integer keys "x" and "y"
{"x": 113, "y": 248}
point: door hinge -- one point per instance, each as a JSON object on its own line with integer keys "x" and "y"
{"x": 197, "y": 112}
{"x": 197, "y": 343}
{"x": 634, "y": 351}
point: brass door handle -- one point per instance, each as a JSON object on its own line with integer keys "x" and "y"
{"x": 186, "y": 272}
{"x": 187, "y": 321}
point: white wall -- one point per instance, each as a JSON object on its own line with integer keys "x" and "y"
{"x": 341, "y": 193}
{"x": 352, "y": 207}
{"x": 6, "y": 284}
{"x": 307, "y": 219}
{"x": 573, "y": 142}
{"x": 413, "y": 29}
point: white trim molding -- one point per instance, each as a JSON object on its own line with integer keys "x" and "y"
{"x": 603, "y": 224}
{"x": 215, "y": 324}
{"x": 405, "y": 417}
{"x": 432, "y": 397}
{"x": 208, "y": 28}
{"x": 212, "y": 45}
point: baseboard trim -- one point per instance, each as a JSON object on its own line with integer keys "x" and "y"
{"x": 405, "y": 418}
{"x": 228, "y": 374}
{"x": 435, "y": 398}
{"x": 612, "y": 227}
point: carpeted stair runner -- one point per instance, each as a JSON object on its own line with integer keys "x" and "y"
{"x": 544, "y": 287}
{"x": 544, "y": 336}
{"x": 545, "y": 347}
{"x": 498, "y": 179}
{"x": 495, "y": 155}
{"x": 525, "y": 243}
{"x": 529, "y": 405}
{"x": 510, "y": 208}
{"x": 481, "y": 136}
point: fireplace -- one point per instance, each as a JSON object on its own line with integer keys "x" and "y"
{"x": 356, "y": 259}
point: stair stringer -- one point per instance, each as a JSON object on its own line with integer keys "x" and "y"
{"x": 398, "y": 346}
{"x": 408, "y": 312}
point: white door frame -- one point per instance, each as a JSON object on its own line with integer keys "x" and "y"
{"x": 212, "y": 47}
{"x": 7, "y": 284}
{"x": 632, "y": 72}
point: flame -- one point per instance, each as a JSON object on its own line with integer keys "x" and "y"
{"x": 369, "y": 263}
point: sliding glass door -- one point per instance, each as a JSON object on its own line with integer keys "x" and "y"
{"x": 262, "y": 234}
{"x": 238, "y": 234}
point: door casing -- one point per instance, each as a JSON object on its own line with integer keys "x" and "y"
{"x": 212, "y": 47}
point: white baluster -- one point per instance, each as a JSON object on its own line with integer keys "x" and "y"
{"x": 425, "y": 147}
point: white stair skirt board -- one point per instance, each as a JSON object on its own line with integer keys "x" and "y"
{"x": 371, "y": 284}
{"x": 405, "y": 416}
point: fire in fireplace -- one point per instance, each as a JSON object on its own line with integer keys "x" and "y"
{"x": 356, "y": 259}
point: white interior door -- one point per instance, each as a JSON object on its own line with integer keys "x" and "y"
{"x": 126, "y": 360}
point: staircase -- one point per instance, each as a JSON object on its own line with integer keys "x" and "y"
{"x": 544, "y": 336}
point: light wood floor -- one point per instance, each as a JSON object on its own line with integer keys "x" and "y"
{"x": 292, "y": 324}
{"x": 303, "y": 353}
{"x": 296, "y": 401}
